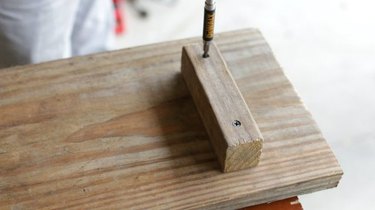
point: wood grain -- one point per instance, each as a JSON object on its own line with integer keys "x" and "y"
{"x": 221, "y": 105}
{"x": 118, "y": 130}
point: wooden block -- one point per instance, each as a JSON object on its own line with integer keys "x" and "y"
{"x": 118, "y": 130}
{"x": 232, "y": 129}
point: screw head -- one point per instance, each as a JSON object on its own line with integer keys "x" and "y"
{"x": 236, "y": 123}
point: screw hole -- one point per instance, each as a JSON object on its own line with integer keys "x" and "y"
{"x": 236, "y": 123}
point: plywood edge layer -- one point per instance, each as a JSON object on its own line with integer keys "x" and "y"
{"x": 290, "y": 190}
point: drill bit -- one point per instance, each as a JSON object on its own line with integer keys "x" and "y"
{"x": 208, "y": 26}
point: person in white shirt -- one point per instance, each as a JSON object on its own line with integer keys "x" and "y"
{"x": 33, "y": 31}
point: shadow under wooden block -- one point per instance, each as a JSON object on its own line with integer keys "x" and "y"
{"x": 233, "y": 132}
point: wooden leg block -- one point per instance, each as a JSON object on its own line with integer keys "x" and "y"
{"x": 232, "y": 129}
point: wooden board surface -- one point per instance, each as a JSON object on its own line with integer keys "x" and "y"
{"x": 119, "y": 130}
{"x": 232, "y": 130}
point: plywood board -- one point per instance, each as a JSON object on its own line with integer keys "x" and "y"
{"x": 119, "y": 130}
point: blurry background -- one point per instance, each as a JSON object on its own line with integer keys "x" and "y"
{"x": 326, "y": 48}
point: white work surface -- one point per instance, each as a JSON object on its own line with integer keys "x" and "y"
{"x": 327, "y": 49}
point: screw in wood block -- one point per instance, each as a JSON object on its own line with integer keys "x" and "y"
{"x": 233, "y": 132}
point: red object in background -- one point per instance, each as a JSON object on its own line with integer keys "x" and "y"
{"x": 287, "y": 204}
{"x": 120, "y": 23}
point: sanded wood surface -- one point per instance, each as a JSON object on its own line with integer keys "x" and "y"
{"x": 233, "y": 132}
{"x": 119, "y": 131}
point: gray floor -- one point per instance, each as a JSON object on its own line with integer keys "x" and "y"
{"x": 327, "y": 49}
